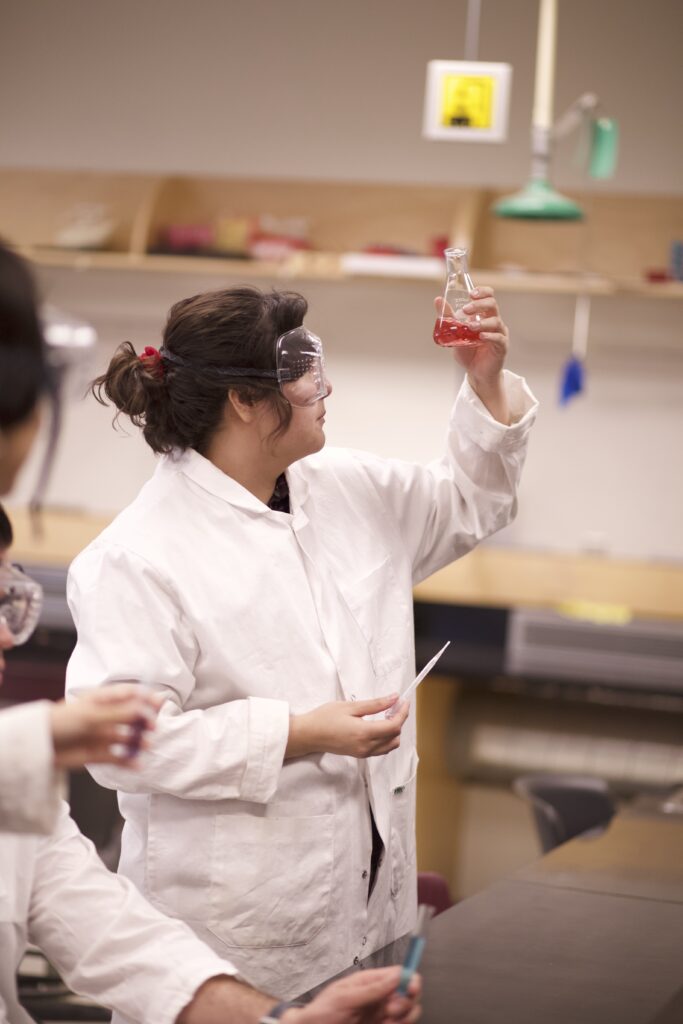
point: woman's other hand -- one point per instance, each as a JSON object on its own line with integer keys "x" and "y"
{"x": 341, "y": 728}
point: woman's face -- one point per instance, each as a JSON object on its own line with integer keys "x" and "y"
{"x": 15, "y": 445}
{"x": 304, "y": 436}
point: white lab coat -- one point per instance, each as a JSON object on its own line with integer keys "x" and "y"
{"x": 95, "y": 928}
{"x": 243, "y": 616}
{"x": 31, "y": 789}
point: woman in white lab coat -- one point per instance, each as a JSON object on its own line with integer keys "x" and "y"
{"x": 264, "y": 585}
{"x": 96, "y": 928}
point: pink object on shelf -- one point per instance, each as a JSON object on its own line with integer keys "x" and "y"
{"x": 187, "y": 237}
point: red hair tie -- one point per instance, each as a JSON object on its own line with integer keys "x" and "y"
{"x": 151, "y": 357}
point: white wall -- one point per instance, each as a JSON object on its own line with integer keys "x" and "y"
{"x": 603, "y": 473}
{"x": 320, "y": 89}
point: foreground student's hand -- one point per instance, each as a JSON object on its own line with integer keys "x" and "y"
{"x": 366, "y": 997}
{"x": 103, "y": 726}
{"x": 341, "y": 728}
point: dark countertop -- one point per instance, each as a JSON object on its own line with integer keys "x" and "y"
{"x": 592, "y": 933}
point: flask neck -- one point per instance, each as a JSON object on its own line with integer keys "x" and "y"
{"x": 456, "y": 267}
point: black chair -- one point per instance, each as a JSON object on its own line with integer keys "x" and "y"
{"x": 565, "y": 806}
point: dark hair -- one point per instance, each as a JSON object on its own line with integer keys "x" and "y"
{"x": 24, "y": 373}
{"x": 6, "y": 534}
{"x": 180, "y": 405}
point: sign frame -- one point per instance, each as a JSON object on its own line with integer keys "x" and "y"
{"x": 437, "y": 73}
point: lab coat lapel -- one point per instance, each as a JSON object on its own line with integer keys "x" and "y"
{"x": 342, "y": 635}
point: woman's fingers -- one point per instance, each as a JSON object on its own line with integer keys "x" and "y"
{"x": 492, "y": 323}
{"x": 442, "y": 307}
{"x": 384, "y": 729}
{"x": 386, "y": 748}
{"x": 360, "y": 708}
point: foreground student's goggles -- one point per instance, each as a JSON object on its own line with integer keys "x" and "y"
{"x": 21, "y": 600}
{"x": 299, "y": 367}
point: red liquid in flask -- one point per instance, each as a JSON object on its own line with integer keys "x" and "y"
{"x": 449, "y": 332}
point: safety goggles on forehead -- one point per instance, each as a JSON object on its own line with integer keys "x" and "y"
{"x": 299, "y": 367}
{"x": 21, "y": 600}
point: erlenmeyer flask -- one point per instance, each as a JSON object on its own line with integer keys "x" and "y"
{"x": 453, "y": 327}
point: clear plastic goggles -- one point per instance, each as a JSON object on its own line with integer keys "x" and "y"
{"x": 300, "y": 367}
{"x": 21, "y": 600}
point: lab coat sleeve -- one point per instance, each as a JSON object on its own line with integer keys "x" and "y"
{"x": 30, "y": 787}
{"x": 131, "y": 627}
{"x": 444, "y": 509}
{"x": 106, "y": 941}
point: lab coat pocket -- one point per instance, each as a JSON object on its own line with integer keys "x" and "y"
{"x": 402, "y": 848}
{"x": 178, "y": 871}
{"x": 376, "y": 604}
{"x": 272, "y": 879}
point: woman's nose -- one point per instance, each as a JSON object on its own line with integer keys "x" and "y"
{"x": 328, "y": 385}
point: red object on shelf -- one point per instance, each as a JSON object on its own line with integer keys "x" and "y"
{"x": 184, "y": 238}
{"x": 438, "y": 245}
{"x": 449, "y": 332}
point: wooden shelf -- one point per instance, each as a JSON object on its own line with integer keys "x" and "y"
{"x": 330, "y": 267}
{"x": 597, "y": 255}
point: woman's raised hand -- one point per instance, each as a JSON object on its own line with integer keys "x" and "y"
{"x": 340, "y": 727}
{"x": 485, "y": 362}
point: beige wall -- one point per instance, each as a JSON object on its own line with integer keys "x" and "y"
{"x": 327, "y": 90}
{"x": 320, "y": 89}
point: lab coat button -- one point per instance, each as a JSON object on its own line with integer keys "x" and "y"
{"x": 364, "y": 875}
{"x": 364, "y": 940}
{"x": 352, "y": 697}
{"x": 356, "y": 961}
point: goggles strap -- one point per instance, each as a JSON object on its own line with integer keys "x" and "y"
{"x": 224, "y": 371}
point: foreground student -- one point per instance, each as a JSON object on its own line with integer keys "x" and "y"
{"x": 39, "y": 740}
{"x": 265, "y": 588}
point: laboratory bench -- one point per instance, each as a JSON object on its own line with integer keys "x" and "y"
{"x": 591, "y": 933}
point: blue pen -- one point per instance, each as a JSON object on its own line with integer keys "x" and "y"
{"x": 416, "y": 947}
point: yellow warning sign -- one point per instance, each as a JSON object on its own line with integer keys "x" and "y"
{"x": 467, "y": 101}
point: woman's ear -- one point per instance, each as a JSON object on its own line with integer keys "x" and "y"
{"x": 235, "y": 405}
